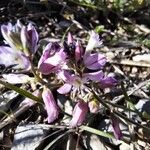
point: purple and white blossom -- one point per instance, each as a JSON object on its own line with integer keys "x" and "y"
{"x": 23, "y": 43}
{"x": 76, "y": 82}
{"x": 21, "y": 38}
{"x": 73, "y": 82}
{"x": 75, "y": 69}
{"x": 52, "y": 59}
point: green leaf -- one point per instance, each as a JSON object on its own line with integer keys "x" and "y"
{"x": 20, "y": 91}
{"x": 98, "y": 132}
{"x": 146, "y": 115}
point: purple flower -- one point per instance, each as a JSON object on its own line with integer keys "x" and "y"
{"x": 107, "y": 82}
{"x": 10, "y": 57}
{"x": 22, "y": 41}
{"x": 21, "y": 38}
{"x": 94, "y": 61}
{"x": 73, "y": 82}
{"x": 76, "y": 82}
{"x": 79, "y": 113}
{"x": 50, "y": 105}
{"x": 29, "y": 38}
{"x": 52, "y": 59}
{"x": 116, "y": 128}
{"x": 48, "y": 51}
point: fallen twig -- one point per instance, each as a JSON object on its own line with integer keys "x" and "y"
{"x": 130, "y": 63}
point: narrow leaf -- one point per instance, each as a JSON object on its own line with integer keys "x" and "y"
{"x": 20, "y": 91}
{"x": 98, "y": 132}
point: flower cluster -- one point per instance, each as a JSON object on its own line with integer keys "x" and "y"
{"x": 75, "y": 68}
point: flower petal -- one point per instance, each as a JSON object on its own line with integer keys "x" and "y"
{"x": 5, "y": 29}
{"x": 33, "y": 37}
{"x": 66, "y": 88}
{"x": 64, "y": 75}
{"x": 46, "y": 65}
{"x": 94, "y": 106}
{"x": 94, "y": 61}
{"x": 94, "y": 76}
{"x": 45, "y": 55}
{"x": 108, "y": 82}
{"x": 57, "y": 59}
{"x": 10, "y": 57}
{"x": 25, "y": 41}
{"x": 78, "y": 51}
{"x": 16, "y": 78}
{"x": 12, "y": 36}
{"x": 46, "y": 68}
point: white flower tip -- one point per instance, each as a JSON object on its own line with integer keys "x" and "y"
{"x": 94, "y": 41}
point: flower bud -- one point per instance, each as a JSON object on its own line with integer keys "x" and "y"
{"x": 29, "y": 39}
{"x": 70, "y": 38}
{"x": 33, "y": 38}
{"x": 94, "y": 106}
{"x": 25, "y": 41}
{"x": 79, "y": 113}
{"x": 116, "y": 128}
{"x": 78, "y": 51}
{"x": 50, "y": 105}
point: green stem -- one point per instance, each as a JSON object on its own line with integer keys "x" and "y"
{"x": 36, "y": 75}
{"x": 98, "y": 132}
{"x": 130, "y": 120}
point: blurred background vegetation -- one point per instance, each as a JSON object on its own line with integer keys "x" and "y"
{"x": 112, "y": 19}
